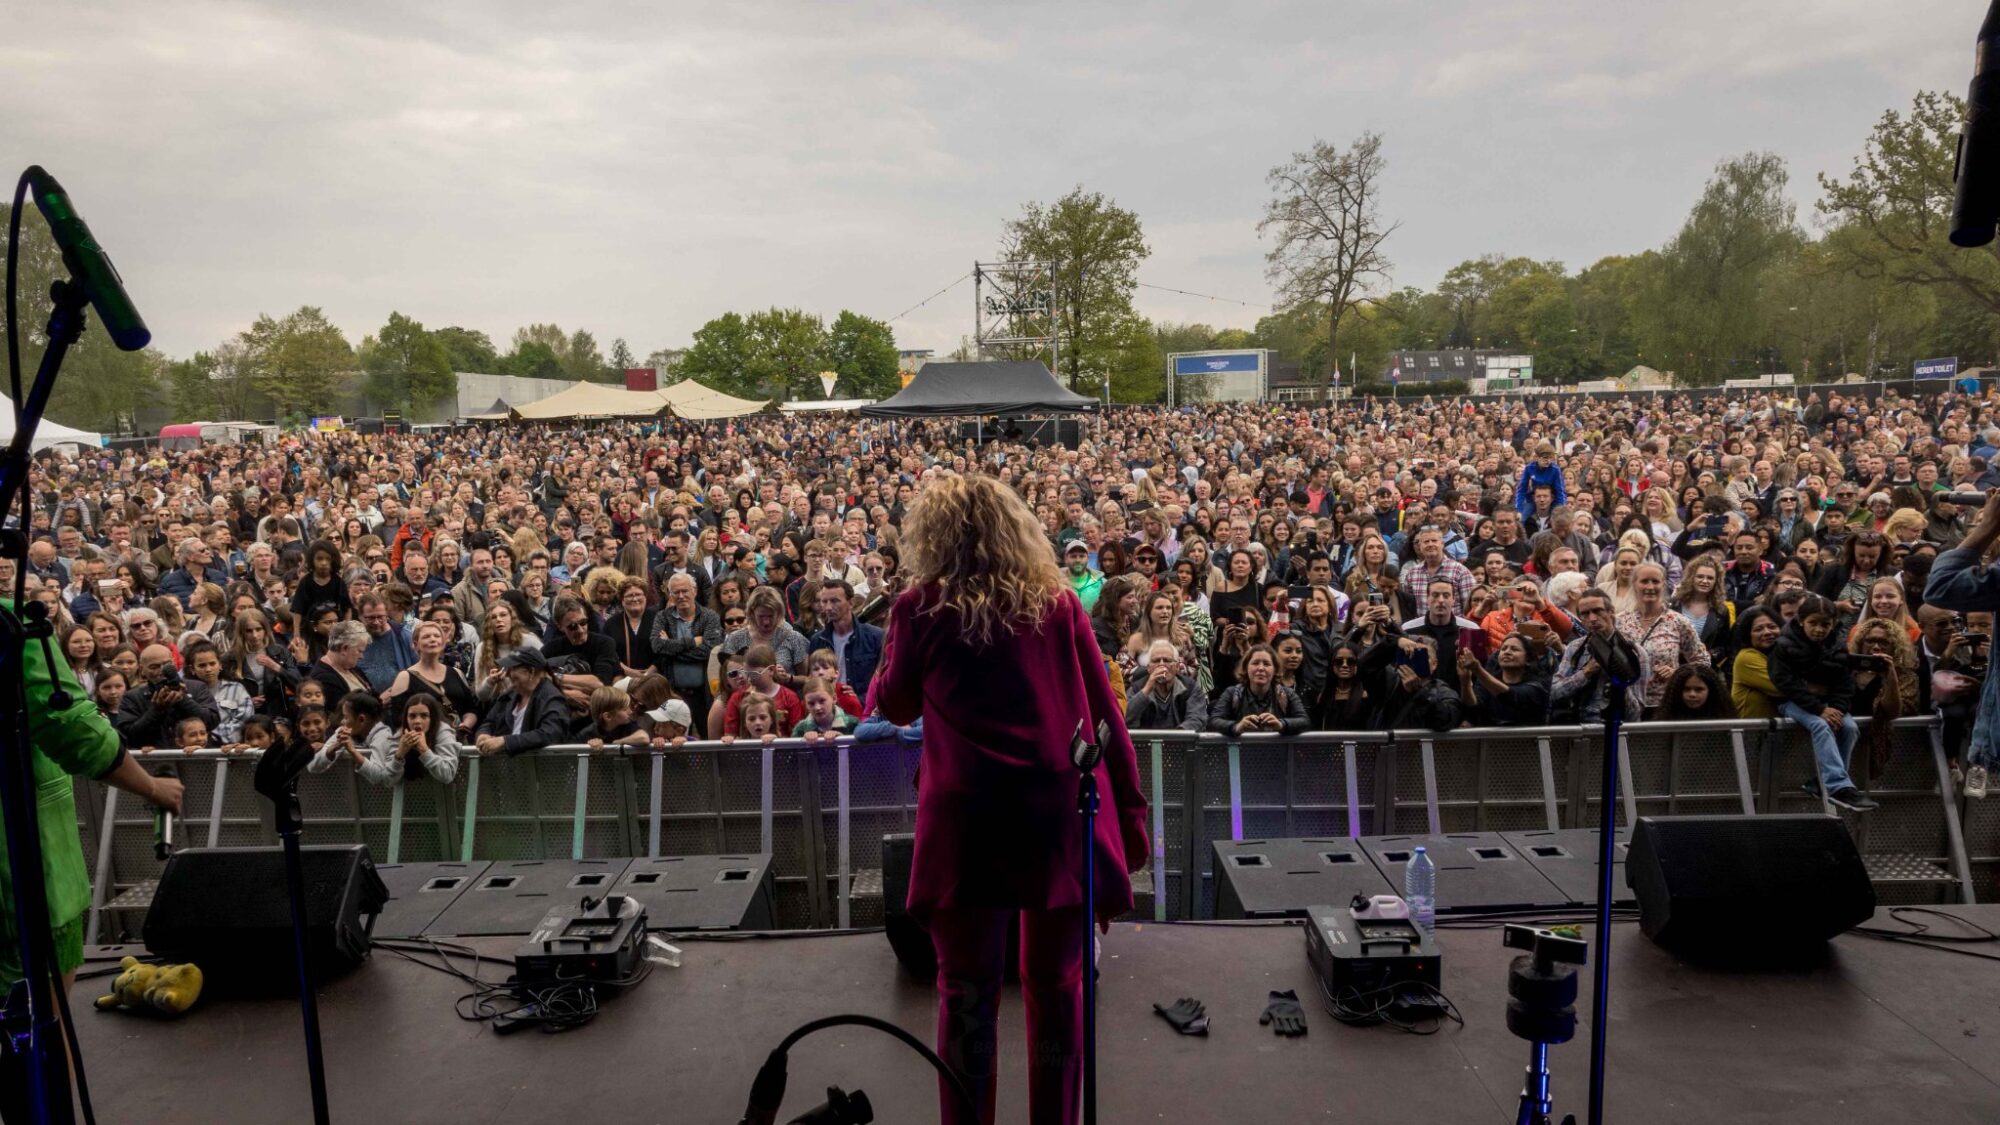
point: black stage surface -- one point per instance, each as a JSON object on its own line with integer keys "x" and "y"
{"x": 1878, "y": 1032}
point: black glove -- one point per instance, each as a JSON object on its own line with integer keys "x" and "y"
{"x": 1285, "y": 1015}
{"x": 1187, "y": 1015}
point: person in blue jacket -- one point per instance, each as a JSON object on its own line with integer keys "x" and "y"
{"x": 1542, "y": 472}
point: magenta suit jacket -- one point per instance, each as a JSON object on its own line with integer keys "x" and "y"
{"x": 997, "y": 824}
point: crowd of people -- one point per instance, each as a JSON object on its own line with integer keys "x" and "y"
{"x": 400, "y": 601}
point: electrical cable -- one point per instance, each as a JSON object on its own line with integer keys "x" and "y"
{"x": 1356, "y": 1008}
{"x": 562, "y": 1006}
{"x": 848, "y": 1019}
{"x": 1203, "y": 296}
{"x": 928, "y": 300}
{"x": 1920, "y": 934}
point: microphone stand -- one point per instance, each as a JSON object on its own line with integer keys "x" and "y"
{"x": 1620, "y": 663}
{"x": 286, "y": 808}
{"x": 40, "y": 1041}
{"x": 1085, "y": 754}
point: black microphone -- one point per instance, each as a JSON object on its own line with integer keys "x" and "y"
{"x": 1975, "y": 199}
{"x": 839, "y": 1108}
{"x": 1969, "y": 499}
{"x": 90, "y": 265}
{"x": 163, "y": 824}
{"x": 1083, "y": 753}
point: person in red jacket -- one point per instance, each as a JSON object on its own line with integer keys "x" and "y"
{"x": 993, "y": 650}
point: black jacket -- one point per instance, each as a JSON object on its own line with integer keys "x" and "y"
{"x": 1237, "y": 701}
{"x": 545, "y": 724}
{"x": 685, "y": 660}
{"x": 139, "y": 723}
{"x": 1809, "y": 674}
{"x": 1185, "y": 709}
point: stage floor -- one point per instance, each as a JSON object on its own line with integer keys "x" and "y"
{"x": 1878, "y": 1032}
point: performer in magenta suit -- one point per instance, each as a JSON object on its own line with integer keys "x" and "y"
{"x": 994, "y": 651}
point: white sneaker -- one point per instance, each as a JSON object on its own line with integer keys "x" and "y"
{"x": 1975, "y": 781}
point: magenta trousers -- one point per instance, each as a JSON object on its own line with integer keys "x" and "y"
{"x": 972, "y": 954}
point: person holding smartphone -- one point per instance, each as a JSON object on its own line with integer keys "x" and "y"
{"x": 1967, "y": 580}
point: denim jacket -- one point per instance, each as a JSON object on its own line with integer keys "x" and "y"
{"x": 1958, "y": 582}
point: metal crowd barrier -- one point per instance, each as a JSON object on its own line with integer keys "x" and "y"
{"x": 820, "y": 810}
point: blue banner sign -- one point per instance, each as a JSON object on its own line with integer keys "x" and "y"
{"x": 1935, "y": 368}
{"x": 1215, "y": 364}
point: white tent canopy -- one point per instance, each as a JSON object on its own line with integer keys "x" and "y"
{"x": 592, "y": 400}
{"x": 47, "y": 435}
{"x": 698, "y": 403}
{"x": 687, "y": 399}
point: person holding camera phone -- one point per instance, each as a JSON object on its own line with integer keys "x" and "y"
{"x": 1967, "y": 580}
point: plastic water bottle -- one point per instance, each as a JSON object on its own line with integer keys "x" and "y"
{"x": 1420, "y": 891}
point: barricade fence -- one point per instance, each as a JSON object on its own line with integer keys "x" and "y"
{"x": 820, "y": 810}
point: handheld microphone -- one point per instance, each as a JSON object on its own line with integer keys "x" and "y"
{"x": 91, "y": 266}
{"x": 1975, "y": 199}
{"x": 1970, "y": 499}
{"x": 163, "y": 825}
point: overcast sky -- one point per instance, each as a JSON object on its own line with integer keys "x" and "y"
{"x": 637, "y": 168}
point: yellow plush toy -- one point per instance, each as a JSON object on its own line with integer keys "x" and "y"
{"x": 167, "y": 989}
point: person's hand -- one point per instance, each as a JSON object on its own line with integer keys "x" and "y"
{"x": 1408, "y": 645}
{"x": 1833, "y": 716}
{"x": 1466, "y": 661}
{"x": 1246, "y": 724}
{"x": 488, "y": 743}
{"x": 1408, "y": 675}
{"x": 1848, "y": 606}
{"x": 298, "y": 648}
{"x": 1988, "y": 522}
{"x": 812, "y": 736}
{"x": 166, "y": 794}
{"x": 596, "y": 745}
{"x": 166, "y": 697}
{"x": 769, "y": 739}
{"x": 408, "y": 743}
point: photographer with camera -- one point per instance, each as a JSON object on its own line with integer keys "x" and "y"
{"x": 1966, "y": 579}
{"x": 151, "y": 712}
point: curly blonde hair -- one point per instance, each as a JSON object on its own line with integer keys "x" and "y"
{"x": 980, "y": 545}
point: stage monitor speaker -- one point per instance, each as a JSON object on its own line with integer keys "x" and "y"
{"x": 1283, "y": 878}
{"x": 227, "y": 910}
{"x": 907, "y": 936}
{"x": 1747, "y": 888}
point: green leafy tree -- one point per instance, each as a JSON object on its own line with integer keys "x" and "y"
{"x": 720, "y": 355}
{"x": 583, "y": 359}
{"x": 1135, "y": 364}
{"x": 1325, "y": 220}
{"x": 1172, "y": 338}
{"x": 1897, "y": 200}
{"x": 296, "y": 360}
{"x": 862, "y": 351}
{"x": 1096, "y": 247}
{"x": 405, "y": 366}
{"x": 621, "y": 360}
{"x": 468, "y": 350}
{"x": 788, "y": 351}
{"x": 191, "y": 384}
{"x": 1707, "y": 308}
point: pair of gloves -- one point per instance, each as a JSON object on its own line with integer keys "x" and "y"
{"x": 1284, "y": 1015}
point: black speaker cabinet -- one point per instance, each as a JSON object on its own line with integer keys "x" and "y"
{"x": 703, "y": 892}
{"x": 1750, "y": 888}
{"x": 1281, "y": 878}
{"x": 907, "y": 936}
{"x": 227, "y": 910}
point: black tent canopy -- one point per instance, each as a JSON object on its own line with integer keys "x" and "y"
{"x": 943, "y": 390}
